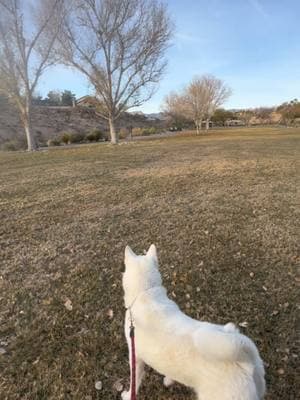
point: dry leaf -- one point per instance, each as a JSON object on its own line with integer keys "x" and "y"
{"x": 118, "y": 386}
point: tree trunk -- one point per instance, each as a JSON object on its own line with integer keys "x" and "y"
{"x": 113, "y": 134}
{"x": 198, "y": 126}
{"x": 207, "y": 124}
{"x": 26, "y": 117}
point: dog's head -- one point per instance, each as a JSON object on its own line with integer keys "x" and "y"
{"x": 141, "y": 273}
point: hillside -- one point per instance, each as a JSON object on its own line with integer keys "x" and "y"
{"x": 48, "y": 122}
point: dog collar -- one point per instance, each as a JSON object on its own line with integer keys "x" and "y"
{"x": 144, "y": 291}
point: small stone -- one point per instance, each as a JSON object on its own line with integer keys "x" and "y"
{"x": 110, "y": 313}
{"x": 187, "y": 296}
{"x": 265, "y": 289}
{"x": 280, "y": 371}
{"x": 197, "y": 289}
{"x": 98, "y": 385}
{"x": 68, "y": 305}
{"x": 2, "y": 350}
{"x": 251, "y": 274}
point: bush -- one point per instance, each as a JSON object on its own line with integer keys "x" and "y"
{"x": 106, "y": 137}
{"x": 98, "y": 134}
{"x": 123, "y": 133}
{"x": 144, "y": 131}
{"x": 53, "y": 142}
{"x": 90, "y": 137}
{"x": 137, "y": 132}
{"x": 65, "y": 137}
{"x": 76, "y": 138}
{"x": 149, "y": 131}
{"x": 12, "y": 145}
{"x": 95, "y": 135}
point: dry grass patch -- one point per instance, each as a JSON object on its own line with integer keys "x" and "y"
{"x": 224, "y": 213}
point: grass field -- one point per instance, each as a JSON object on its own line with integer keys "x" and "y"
{"x": 223, "y": 210}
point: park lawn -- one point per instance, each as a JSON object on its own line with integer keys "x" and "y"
{"x": 223, "y": 210}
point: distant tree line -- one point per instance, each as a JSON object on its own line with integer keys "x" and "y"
{"x": 287, "y": 113}
{"x": 290, "y": 111}
{"x": 55, "y": 98}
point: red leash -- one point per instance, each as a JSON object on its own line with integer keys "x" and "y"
{"x": 133, "y": 363}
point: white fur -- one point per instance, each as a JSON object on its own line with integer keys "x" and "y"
{"x": 216, "y": 361}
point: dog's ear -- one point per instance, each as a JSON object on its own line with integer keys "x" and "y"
{"x": 152, "y": 252}
{"x": 129, "y": 253}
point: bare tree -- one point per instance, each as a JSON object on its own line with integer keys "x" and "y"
{"x": 199, "y": 100}
{"x": 196, "y": 98}
{"x": 190, "y": 103}
{"x": 119, "y": 46}
{"x": 25, "y": 52}
{"x": 176, "y": 110}
{"x": 216, "y": 93}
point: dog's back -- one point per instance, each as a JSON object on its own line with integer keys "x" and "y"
{"x": 197, "y": 354}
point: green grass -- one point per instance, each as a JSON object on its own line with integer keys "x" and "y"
{"x": 223, "y": 210}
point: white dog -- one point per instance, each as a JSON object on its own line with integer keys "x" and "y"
{"x": 216, "y": 361}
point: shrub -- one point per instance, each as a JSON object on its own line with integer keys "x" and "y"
{"x": 137, "y": 132}
{"x": 149, "y": 131}
{"x": 11, "y": 145}
{"x": 53, "y": 142}
{"x": 95, "y": 135}
{"x": 90, "y": 137}
{"x": 123, "y": 133}
{"x": 144, "y": 131}
{"x": 98, "y": 134}
{"x": 65, "y": 137}
{"x": 106, "y": 136}
{"x": 76, "y": 137}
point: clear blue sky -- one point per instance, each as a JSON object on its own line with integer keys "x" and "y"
{"x": 253, "y": 45}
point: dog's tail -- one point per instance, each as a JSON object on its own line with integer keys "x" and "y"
{"x": 233, "y": 347}
{"x": 230, "y": 346}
